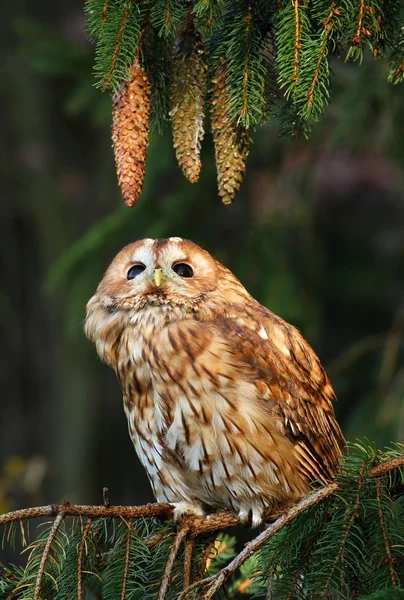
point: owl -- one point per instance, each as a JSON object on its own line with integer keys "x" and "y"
{"x": 228, "y": 406}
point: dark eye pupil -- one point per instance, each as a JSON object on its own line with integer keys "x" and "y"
{"x": 135, "y": 270}
{"x": 183, "y": 270}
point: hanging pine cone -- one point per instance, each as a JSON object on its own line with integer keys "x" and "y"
{"x": 130, "y": 132}
{"x": 188, "y": 90}
{"x": 231, "y": 142}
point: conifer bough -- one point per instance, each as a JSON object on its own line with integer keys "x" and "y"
{"x": 343, "y": 540}
{"x": 248, "y": 60}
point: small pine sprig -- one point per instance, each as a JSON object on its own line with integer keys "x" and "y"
{"x": 396, "y": 60}
{"x": 293, "y": 31}
{"x": 166, "y": 16}
{"x": 240, "y": 44}
{"x": 368, "y": 29}
{"x": 188, "y": 90}
{"x": 130, "y": 132}
{"x": 116, "y": 25}
{"x": 312, "y": 92}
{"x": 230, "y": 140}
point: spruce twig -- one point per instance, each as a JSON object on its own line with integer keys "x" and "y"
{"x": 164, "y": 511}
{"x": 297, "y": 42}
{"x": 161, "y": 511}
{"x": 322, "y": 52}
{"x": 251, "y": 547}
{"x": 189, "y": 547}
{"x": 358, "y": 36}
{"x": 45, "y": 555}
{"x": 80, "y": 559}
{"x": 127, "y": 556}
{"x": 348, "y": 528}
{"x": 389, "y": 558}
{"x": 180, "y": 537}
{"x": 108, "y": 79}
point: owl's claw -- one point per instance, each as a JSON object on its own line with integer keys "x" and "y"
{"x": 250, "y": 516}
{"x": 186, "y": 508}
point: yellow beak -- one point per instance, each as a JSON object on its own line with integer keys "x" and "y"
{"x": 158, "y": 277}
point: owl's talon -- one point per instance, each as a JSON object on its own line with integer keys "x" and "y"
{"x": 186, "y": 508}
{"x": 250, "y": 517}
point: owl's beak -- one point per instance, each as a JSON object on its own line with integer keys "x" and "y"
{"x": 158, "y": 277}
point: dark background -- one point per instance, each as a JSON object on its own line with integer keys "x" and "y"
{"x": 316, "y": 234}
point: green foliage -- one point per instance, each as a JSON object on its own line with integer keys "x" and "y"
{"x": 350, "y": 544}
{"x": 239, "y": 46}
{"x": 235, "y": 32}
{"x": 116, "y": 24}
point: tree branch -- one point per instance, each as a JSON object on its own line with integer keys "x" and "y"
{"x": 260, "y": 540}
{"x": 86, "y": 531}
{"x": 45, "y": 555}
{"x": 180, "y": 537}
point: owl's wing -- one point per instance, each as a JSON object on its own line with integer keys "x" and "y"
{"x": 294, "y": 385}
{"x": 248, "y": 353}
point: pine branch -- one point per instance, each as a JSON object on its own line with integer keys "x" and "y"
{"x": 292, "y": 18}
{"x": 239, "y": 45}
{"x": 86, "y": 532}
{"x": 389, "y": 558}
{"x": 127, "y": 560}
{"x": 165, "y": 582}
{"x": 189, "y": 548}
{"x": 347, "y": 525}
{"x": 52, "y": 534}
{"x": 260, "y": 540}
{"x": 167, "y": 15}
{"x": 353, "y": 513}
{"x": 161, "y": 510}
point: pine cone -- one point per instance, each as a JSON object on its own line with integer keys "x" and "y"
{"x": 231, "y": 142}
{"x": 130, "y": 132}
{"x": 188, "y": 90}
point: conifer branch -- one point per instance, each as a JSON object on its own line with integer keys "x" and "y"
{"x": 104, "y": 12}
{"x": 297, "y": 41}
{"x": 269, "y": 532}
{"x": 45, "y": 555}
{"x": 189, "y": 548}
{"x": 386, "y": 466}
{"x": 244, "y": 109}
{"x": 108, "y": 79}
{"x": 321, "y": 55}
{"x": 127, "y": 557}
{"x": 303, "y": 558}
{"x": 80, "y": 559}
{"x": 204, "y": 560}
{"x": 348, "y": 528}
{"x": 233, "y": 34}
{"x": 65, "y": 509}
{"x": 389, "y": 558}
{"x": 358, "y": 36}
{"x": 164, "y": 511}
{"x": 179, "y": 538}
{"x": 350, "y": 517}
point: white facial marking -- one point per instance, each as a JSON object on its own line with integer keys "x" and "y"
{"x": 175, "y": 239}
{"x": 144, "y": 255}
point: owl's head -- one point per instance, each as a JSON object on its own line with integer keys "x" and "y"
{"x": 162, "y": 272}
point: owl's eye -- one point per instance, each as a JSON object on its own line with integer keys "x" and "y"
{"x": 183, "y": 270}
{"x": 135, "y": 270}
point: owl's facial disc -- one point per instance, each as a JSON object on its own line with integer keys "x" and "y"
{"x": 159, "y": 272}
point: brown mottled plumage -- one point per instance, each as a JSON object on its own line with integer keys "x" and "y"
{"x": 228, "y": 406}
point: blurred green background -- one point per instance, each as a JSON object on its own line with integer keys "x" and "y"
{"x": 316, "y": 234}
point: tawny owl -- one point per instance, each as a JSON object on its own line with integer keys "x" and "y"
{"x": 228, "y": 406}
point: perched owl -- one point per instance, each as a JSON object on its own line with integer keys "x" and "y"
{"x": 228, "y": 406}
